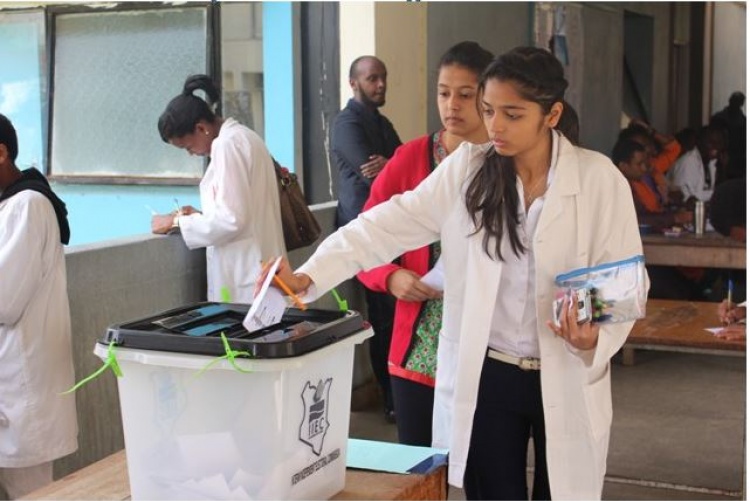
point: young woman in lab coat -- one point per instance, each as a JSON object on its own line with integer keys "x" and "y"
{"x": 510, "y": 216}
{"x": 240, "y": 221}
{"x": 413, "y": 352}
{"x": 37, "y": 423}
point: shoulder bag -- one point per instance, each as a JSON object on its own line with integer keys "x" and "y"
{"x": 298, "y": 222}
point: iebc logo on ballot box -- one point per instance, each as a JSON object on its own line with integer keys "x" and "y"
{"x": 314, "y": 426}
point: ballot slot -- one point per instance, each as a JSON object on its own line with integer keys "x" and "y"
{"x": 198, "y": 328}
{"x": 214, "y": 321}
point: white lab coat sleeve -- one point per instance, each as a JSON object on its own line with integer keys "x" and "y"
{"x": 407, "y": 221}
{"x": 618, "y": 239}
{"x": 230, "y": 188}
{"x": 22, "y": 227}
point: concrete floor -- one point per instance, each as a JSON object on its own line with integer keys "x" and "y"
{"x": 678, "y": 429}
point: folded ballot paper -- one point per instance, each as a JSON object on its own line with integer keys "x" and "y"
{"x": 268, "y": 305}
{"x": 606, "y": 293}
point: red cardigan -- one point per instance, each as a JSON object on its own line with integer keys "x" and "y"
{"x": 409, "y": 165}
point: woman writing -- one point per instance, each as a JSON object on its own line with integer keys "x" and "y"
{"x": 510, "y": 216}
{"x": 413, "y": 352}
{"x": 240, "y": 223}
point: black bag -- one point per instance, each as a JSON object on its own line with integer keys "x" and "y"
{"x": 298, "y": 222}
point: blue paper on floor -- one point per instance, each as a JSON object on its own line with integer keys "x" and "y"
{"x": 393, "y": 458}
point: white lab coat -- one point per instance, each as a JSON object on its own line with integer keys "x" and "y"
{"x": 37, "y": 424}
{"x": 240, "y": 224}
{"x": 588, "y": 218}
{"x": 688, "y": 177}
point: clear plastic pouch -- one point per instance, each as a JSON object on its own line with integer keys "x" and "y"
{"x": 606, "y": 293}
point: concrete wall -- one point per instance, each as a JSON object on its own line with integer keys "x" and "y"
{"x": 123, "y": 280}
{"x": 405, "y": 56}
{"x": 498, "y": 27}
{"x": 729, "y": 59}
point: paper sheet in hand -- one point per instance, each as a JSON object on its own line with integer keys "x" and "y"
{"x": 387, "y": 456}
{"x": 268, "y": 306}
{"x": 434, "y": 278}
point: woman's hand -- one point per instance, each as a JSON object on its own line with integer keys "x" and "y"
{"x": 405, "y": 285}
{"x": 730, "y": 314}
{"x": 734, "y": 332}
{"x": 583, "y": 336}
{"x": 298, "y": 283}
{"x": 161, "y": 224}
{"x": 186, "y": 210}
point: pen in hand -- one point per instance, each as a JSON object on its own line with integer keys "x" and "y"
{"x": 284, "y": 287}
{"x": 297, "y": 301}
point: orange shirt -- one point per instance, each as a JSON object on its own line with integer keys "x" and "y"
{"x": 647, "y": 197}
{"x": 669, "y": 154}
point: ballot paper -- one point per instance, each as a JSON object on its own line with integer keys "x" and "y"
{"x": 268, "y": 305}
{"x": 435, "y": 278}
{"x": 714, "y": 330}
{"x": 392, "y": 457}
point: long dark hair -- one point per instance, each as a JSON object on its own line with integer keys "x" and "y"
{"x": 185, "y": 111}
{"x": 491, "y": 198}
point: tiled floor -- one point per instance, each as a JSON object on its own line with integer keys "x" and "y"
{"x": 678, "y": 429}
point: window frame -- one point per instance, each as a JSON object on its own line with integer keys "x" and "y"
{"x": 213, "y": 69}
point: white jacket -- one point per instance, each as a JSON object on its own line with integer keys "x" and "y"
{"x": 240, "y": 224}
{"x": 687, "y": 176}
{"x": 37, "y": 424}
{"x": 588, "y": 218}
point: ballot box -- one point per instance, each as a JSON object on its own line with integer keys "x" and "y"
{"x": 261, "y": 415}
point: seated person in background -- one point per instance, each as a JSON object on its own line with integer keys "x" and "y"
{"x": 667, "y": 282}
{"x": 733, "y": 316}
{"x": 694, "y": 173}
{"x": 661, "y": 150}
{"x": 687, "y": 138}
{"x": 728, "y": 209}
{"x": 630, "y": 157}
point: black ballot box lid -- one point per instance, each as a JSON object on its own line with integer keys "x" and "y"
{"x": 197, "y": 329}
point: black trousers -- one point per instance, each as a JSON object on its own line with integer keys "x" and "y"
{"x": 509, "y": 412}
{"x": 380, "y": 310}
{"x": 413, "y": 404}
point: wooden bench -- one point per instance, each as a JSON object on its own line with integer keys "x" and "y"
{"x": 107, "y": 479}
{"x": 710, "y": 250}
{"x": 679, "y": 326}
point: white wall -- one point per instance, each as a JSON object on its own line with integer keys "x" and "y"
{"x": 396, "y": 34}
{"x": 356, "y": 38}
{"x": 729, "y": 60}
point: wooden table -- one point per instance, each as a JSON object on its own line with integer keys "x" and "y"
{"x": 679, "y": 326}
{"x": 710, "y": 250}
{"x": 108, "y": 480}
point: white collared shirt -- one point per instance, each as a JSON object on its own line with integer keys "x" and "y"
{"x": 513, "y": 327}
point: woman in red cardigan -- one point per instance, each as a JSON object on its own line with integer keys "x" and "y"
{"x": 413, "y": 352}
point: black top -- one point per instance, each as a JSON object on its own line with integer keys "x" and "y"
{"x": 357, "y": 133}
{"x": 728, "y": 206}
{"x": 32, "y": 179}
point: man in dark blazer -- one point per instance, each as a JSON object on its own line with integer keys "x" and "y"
{"x": 362, "y": 141}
